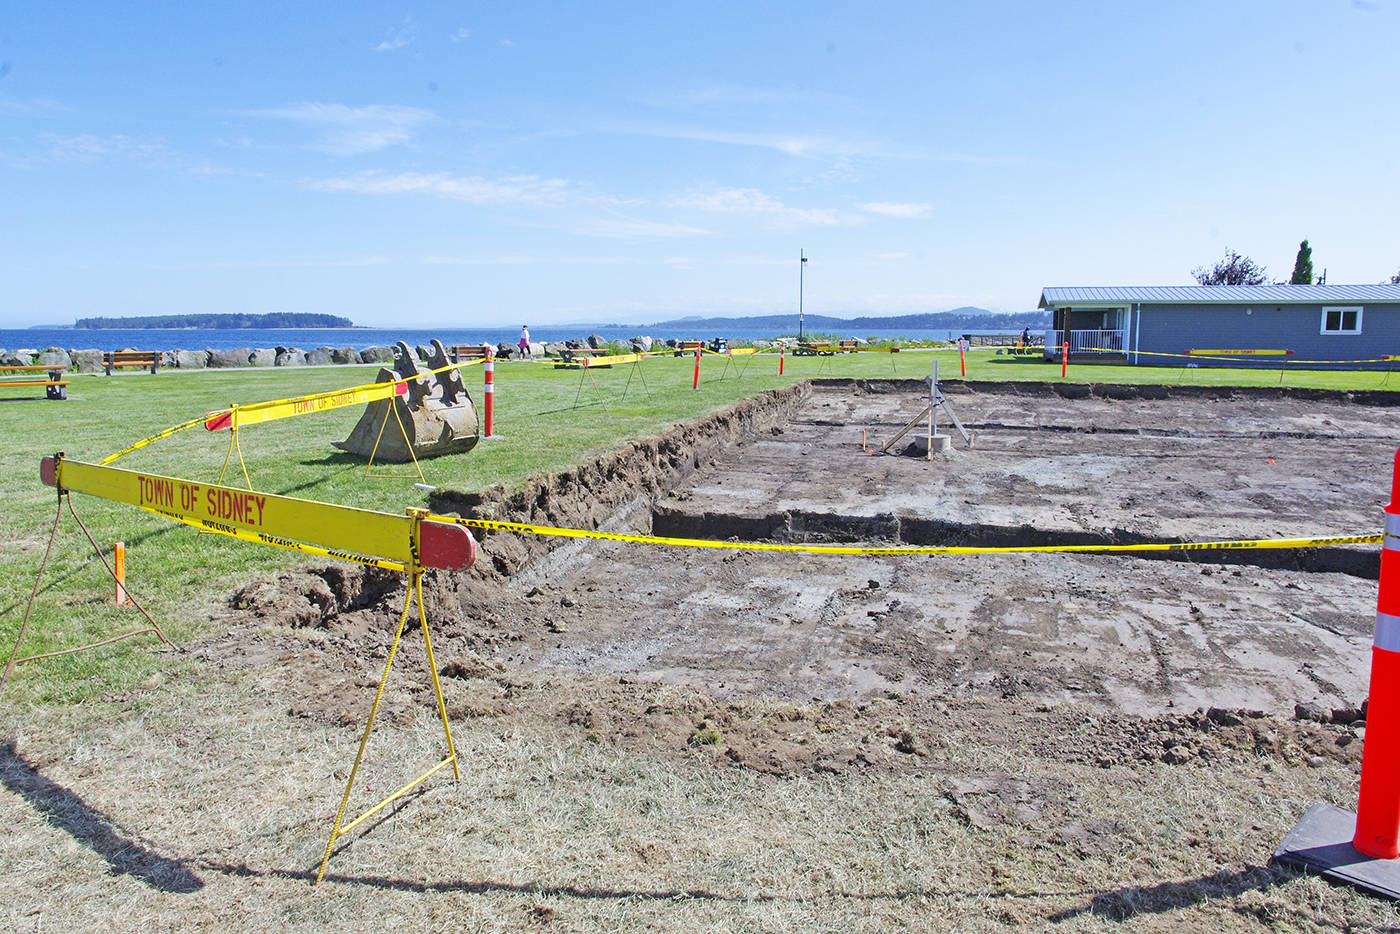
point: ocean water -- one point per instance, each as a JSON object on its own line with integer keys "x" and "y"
{"x": 360, "y": 338}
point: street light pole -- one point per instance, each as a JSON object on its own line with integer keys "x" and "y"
{"x": 801, "y": 271}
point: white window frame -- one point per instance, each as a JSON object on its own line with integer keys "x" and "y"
{"x": 1326, "y": 309}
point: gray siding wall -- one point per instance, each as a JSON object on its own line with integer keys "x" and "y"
{"x": 1175, "y": 328}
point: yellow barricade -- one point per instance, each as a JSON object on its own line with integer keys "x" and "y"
{"x": 1239, "y": 353}
{"x": 344, "y": 531}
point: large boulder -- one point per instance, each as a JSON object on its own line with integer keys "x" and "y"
{"x": 424, "y": 352}
{"x": 597, "y": 341}
{"x": 290, "y": 356}
{"x": 319, "y": 357}
{"x": 344, "y": 355}
{"x": 505, "y": 351}
{"x": 377, "y": 354}
{"x": 552, "y": 348}
{"x": 191, "y": 359}
{"x": 167, "y": 359}
{"x": 642, "y": 343}
{"x": 87, "y": 361}
{"x": 237, "y": 356}
{"x": 54, "y": 357}
{"x": 18, "y": 358}
{"x": 262, "y": 356}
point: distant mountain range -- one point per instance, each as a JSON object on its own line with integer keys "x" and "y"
{"x": 285, "y": 319}
{"x": 968, "y": 316}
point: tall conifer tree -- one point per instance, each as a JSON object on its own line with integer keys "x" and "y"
{"x": 1302, "y": 266}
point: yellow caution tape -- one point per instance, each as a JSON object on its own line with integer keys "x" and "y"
{"x": 262, "y": 538}
{"x": 158, "y": 436}
{"x": 528, "y": 528}
{"x": 1201, "y": 355}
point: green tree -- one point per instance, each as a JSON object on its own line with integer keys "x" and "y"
{"x": 1234, "y": 269}
{"x": 1302, "y": 266}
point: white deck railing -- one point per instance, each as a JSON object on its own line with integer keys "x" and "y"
{"x": 1085, "y": 341}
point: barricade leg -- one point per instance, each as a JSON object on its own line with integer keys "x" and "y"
{"x": 1361, "y": 849}
{"x": 415, "y": 593}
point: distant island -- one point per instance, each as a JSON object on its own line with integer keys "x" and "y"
{"x": 275, "y": 320}
{"x": 966, "y": 317}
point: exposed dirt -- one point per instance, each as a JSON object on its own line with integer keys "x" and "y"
{"x": 783, "y": 663}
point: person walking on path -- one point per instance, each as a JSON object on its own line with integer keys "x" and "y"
{"x": 525, "y": 343}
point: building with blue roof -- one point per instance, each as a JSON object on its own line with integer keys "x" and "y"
{"x": 1347, "y": 326}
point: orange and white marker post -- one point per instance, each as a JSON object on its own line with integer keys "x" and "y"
{"x": 489, "y": 401}
{"x": 962, "y": 356}
{"x": 696, "y": 383}
{"x": 1064, "y": 360}
{"x": 1378, "y": 812}
{"x": 782, "y": 349}
{"x": 119, "y": 570}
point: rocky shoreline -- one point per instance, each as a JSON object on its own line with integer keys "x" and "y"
{"x": 91, "y": 361}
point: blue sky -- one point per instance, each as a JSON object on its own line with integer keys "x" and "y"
{"x": 474, "y": 164}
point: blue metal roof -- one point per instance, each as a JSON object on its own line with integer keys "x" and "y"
{"x": 1219, "y": 294}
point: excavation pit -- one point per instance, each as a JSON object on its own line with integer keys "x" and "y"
{"x": 1252, "y": 629}
{"x": 644, "y": 645}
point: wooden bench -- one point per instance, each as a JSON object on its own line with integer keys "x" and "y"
{"x": 570, "y": 354}
{"x": 459, "y": 352}
{"x": 688, "y": 347}
{"x": 55, "y": 386}
{"x": 809, "y": 349}
{"x": 145, "y": 359}
{"x": 848, "y": 346}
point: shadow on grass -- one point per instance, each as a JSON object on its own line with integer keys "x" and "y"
{"x": 1131, "y": 901}
{"x": 66, "y": 811}
{"x": 479, "y": 887}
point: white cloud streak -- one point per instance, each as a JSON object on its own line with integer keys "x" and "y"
{"x": 397, "y": 38}
{"x": 898, "y": 210}
{"x": 512, "y": 189}
{"x": 753, "y": 202}
{"x": 353, "y": 131}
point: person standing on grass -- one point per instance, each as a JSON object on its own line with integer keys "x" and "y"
{"x": 525, "y": 342}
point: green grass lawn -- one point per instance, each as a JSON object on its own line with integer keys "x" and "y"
{"x": 546, "y": 420}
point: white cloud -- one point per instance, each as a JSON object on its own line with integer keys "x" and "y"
{"x": 397, "y": 38}
{"x": 461, "y": 33}
{"x": 507, "y": 43}
{"x": 900, "y": 210}
{"x": 35, "y": 107}
{"x": 627, "y": 228}
{"x": 792, "y": 144}
{"x": 89, "y": 147}
{"x": 754, "y": 202}
{"x": 512, "y": 189}
{"x": 352, "y": 131}
{"x": 528, "y": 260}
